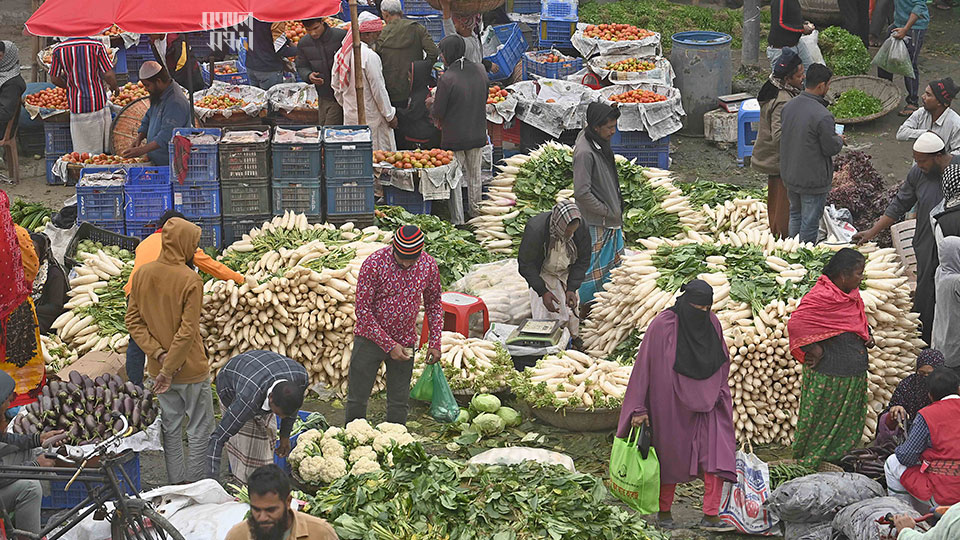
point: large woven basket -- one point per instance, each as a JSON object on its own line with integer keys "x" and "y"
{"x": 468, "y": 7}
{"x": 126, "y": 125}
{"x": 887, "y": 92}
{"x": 579, "y": 419}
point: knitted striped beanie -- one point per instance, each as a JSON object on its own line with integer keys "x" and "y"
{"x": 408, "y": 242}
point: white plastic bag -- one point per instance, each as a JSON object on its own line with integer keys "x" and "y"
{"x": 835, "y": 225}
{"x": 741, "y": 503}
{"x": 893, "y": 57}
{"x": 809, "y": 49}
{"x": 518, "y": 454}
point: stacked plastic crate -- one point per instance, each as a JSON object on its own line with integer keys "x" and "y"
{"x": 420, "y": 11}
{"x": 198, "y": 196}
{"x": 558, "y": 22}
{"x": 100, "y": 201}
{"x": 57, "y": 142}
{"x": 348, "y": 174}
{"x": 244, "y": 185}
{"x": 296, "y": 171}
{"x": 147, "y": 195}
{"x": 136, "y": 56}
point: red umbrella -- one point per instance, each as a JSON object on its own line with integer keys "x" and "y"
{"x": 79, "y": 18}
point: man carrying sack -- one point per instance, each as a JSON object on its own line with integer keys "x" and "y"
{"x": 252, "y": 388}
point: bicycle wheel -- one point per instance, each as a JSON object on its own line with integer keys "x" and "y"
{"x": 142, "y": 523}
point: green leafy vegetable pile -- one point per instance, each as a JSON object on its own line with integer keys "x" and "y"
{"x": 425, "y": 497}
{"x": 276, "y": 239}
{"x": 703, "y": 192}
{"x": 844, "y": 52}
{"x": 455, "y": 250}
{"x": 854, "y": 104}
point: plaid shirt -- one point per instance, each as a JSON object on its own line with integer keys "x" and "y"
{"x": 242, "y": 387}
{"x": 81, "y": 62}
{"x": 910, "y": 453}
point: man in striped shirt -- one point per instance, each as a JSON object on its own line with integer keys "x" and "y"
{"x": 82, "y": 66}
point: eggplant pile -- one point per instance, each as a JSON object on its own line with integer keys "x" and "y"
{"x": 83, "y": 406}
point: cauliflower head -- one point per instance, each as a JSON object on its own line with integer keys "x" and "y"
{"x": 360, "y": 431}
{"x": 390, "y": 427}
{"x": 333, "y": 431}
{"x": 309, "y": 436}
{"x": 321, "y": 470}
{"x": 383, "y": 442}
{"x": 331, "y": 448}
{"x": 361, "y": 452}
{"x": 365, "y": 465}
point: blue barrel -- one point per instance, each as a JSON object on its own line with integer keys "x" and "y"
{"x": 701, "y": 61}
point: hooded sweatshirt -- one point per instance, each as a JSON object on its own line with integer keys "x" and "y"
{"x": 403, "y": 41}
{"x": 163, "y": 310}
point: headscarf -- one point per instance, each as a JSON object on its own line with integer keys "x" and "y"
{"x": 951, "y": 186}
{"x": 15, "y": 286}
{"x": 912, "y": 393}
{"x": 825, "y": 312}
{"x": 597, "y": 114}
{"x": 470, "y": 21}
{"x": 344, "y": 57}
{"x": 700, "y": 350}
{"x": 10, "y": 63}
{"x": 408, "y": 242}
{"x": 949, "y": 252}
{"x": 562, "y": 214}
{"x": 452, "y": 49}
{"x": 944, "y": 90}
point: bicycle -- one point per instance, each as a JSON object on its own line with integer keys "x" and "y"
{"x": 131, "y": 518}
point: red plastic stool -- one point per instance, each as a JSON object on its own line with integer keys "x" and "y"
{"x": 457, "y": 309}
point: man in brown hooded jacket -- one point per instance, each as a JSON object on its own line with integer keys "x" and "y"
{"x": 163, "y": 317}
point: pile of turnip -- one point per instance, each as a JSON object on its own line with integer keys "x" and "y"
{"x": 299, "y": 298}
{"x": 56, "y": 354}
{"x": 471, "y": 363}
{"x": 94, "y": 320}
{"x": 764, "y": 378}
{"x": 501, "y": 287}
{"x": 573, "y": 380}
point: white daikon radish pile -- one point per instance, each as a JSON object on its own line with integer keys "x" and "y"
{"x": 501, "y": 287}
{"x": 56, "y": 354}
{"x": 764, "y": 378}
{"x": 94, "y": 320}
{"x": 470, "y": 363}
{"x": 299, "y": 299}
{"x": 573, "y": 380}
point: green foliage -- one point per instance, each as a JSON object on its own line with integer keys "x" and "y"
{"x": 703, "y": 192}
{"x": 854, "y": 104}
{"x": 843, "y": 52}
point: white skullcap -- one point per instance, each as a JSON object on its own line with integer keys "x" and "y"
{"x": 149, "y": 69}
{"x": 392, "y": 6}
{"x": 366, "y": 16}
{"x": 928, "y": 143}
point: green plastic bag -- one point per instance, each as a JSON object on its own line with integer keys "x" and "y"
{"x": 423, "y": 390}
{"x": 443, "y": 406}
{"x": 634, "y": 480}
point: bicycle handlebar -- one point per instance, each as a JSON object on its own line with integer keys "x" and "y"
{"x": 79, "y": 457}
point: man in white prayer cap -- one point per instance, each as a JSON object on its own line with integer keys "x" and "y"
{"x": 923, "y": 188}
{"x": 169, "y": 109}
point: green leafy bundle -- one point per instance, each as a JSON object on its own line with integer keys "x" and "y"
{"x": 426, "y": 497}
{"x": 703, "y": 192}
{"x": 277, "y": 238}
{"x": 844, "y": 52}
{"x": 854, "y": 104}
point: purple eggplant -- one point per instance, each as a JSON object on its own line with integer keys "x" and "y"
{"x": 90, "y": 423}
{"x": 135, "y": 417}
{"x": 45, "y": 391}
{"x": 131, "y": 388}
{"x": 73, "y": 388}
{"x": 128, "y": 405}
{"x": 75, "y": 378}
{"x": 99, "y": 381}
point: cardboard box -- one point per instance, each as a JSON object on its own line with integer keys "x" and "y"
{"x": 94, "y": 364}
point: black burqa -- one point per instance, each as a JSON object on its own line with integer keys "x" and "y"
{"x": 415, "y": 128}
{"x": 699, "y": 348}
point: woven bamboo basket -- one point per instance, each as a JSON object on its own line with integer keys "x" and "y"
{"x": 887, "y": 92}
{"x": 468, "y": 7}
{"x": 126, "y": 125}
{"x": 579, "y": 419}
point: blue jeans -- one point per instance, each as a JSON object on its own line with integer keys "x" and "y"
{"x": 135, "y": 361}
{"x": 805, "y": 213}
{"x": 914, "y": 41}
{"x": 265, "y": 79}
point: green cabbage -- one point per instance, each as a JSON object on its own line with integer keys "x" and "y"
{"x": 510, "y": 416}
{"x": 485, "y": 403}
{"x": 463, "y": 417}
{"x": 488, "y": 424}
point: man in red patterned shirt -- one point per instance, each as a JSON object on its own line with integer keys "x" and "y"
{"x": 389, "y": 289}
{"x": 82, "y": 66}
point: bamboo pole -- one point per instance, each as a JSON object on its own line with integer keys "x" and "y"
{"x": 35, "y": 42}
{"x": 357, "y": 62}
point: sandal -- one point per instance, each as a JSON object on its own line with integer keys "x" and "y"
{"x": 908, "y": 110}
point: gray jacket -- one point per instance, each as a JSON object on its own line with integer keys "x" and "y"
{"x": 808, "y": 142}
{"x": 596, "y": 186}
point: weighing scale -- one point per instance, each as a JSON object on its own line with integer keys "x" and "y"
{"x": 536, "y": 333}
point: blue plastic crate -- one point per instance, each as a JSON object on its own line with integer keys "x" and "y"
{"x": 134, "y": 61}
{"x": 345, "y": 9}
{"x": 202, "y": 165}
{"x": 277, "y": 460}
{"x": 146, "y": 201}
{"x": 638, "y": 145}
{"x": 197, "y": 200}
{"x": 411, "y": 201}
{"x": 296, "y": 161}
{"x": 211, "y": 232}
{"x": 353, "y": 197}
{"x": 120, "y": 63}
{"x": 523, "y": 6}
{"x": 100, "y": 203}
{"x": 298, "y": 196}
{"x": 549, "y": 70}
{"x": 51, "y": 179}
{"x": 433, "y": 24}
{"x": 143, "y": 46}
{"x": 152, "y": 174}
{"x": 418, "y": 7}
{"x": 223, "y": 39}
{"x": 240, "y": 77}
{"x": 117, "y": 226}
{"x": 141, "y": 228}
{"x": 56, "y": 137}
{"x": 78, "y": 491}
{"x": 559, "y": 10}
{"x": 347, "y": 160}
{"x": 513, "y": 47}
{"x": 235, "y": 227}
{"x": 556, "y": 34}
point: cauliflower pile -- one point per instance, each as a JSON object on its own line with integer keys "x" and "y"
{"x": 323, "y": 457}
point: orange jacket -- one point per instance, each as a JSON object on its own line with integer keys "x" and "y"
{"x": 149, "y": 249}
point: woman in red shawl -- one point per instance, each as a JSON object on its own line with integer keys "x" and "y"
{"x": 830, "y": 336}
{"x": 19, "y": 332}
{"x": 679, "y": 386}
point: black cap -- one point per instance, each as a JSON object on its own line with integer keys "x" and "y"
{"x": 786, "y": 63}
